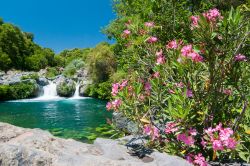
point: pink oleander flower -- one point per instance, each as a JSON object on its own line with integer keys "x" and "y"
{"x": 212, "y": 15}
{"x": 230, "y": 143}
{"x": 160, "y": 60}
{"x": 195, "y": 20}
{"x": 240, "y": 57}
{"x": 218, "y": 127}
{"x": 152, "y": 39}
{"x": 192, "y": 132}
{"x": 156, "y": 133}
{"x": 200, "y": 160}
{"x": 189, "y": 158}
{"x": 210, "y": 131}
{"x": 227, "y": 92}
{"x": 203, "y": 143}
{"x": 127, "y": 32}
{"x": 149, "y": 24}
{"x": 123, "y": 84}
{"x": 171, "y": 127}
{"x": 147, "y": 129}
{"x": 217, "y": 145}
{"x": 172, "y": 45}
{"x": 151, "y": 131}
{"x": 109, "y": 106}
{"x": 159, "y": 53}
{"x": 188, "y": 140}
{"x": 160, "y": 57}
{"x": 189, "y": 93}
{"x": 186, "y": 50}
{"x": 225, "y": 133}
{"x": 116, "y": 103}
{"x": 195, "y": 57}
{"x": 147, "y": 86}
{"x": 179, "y": 85}
{"x": 156, "y": 74}
{"x": 115, "y": 88}
{"x": 171, "y": 91}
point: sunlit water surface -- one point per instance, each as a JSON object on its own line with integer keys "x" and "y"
{"x": 80, "y": 119}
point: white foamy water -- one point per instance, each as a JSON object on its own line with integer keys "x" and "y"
{"x": 77, "y": 93}
{"x": 49, "y": 92}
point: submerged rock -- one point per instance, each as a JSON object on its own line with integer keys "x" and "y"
{"x": 34, "y": 147}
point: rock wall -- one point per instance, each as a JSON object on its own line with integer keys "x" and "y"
{"x": 34, "y": 147}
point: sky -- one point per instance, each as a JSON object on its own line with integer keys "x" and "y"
{"x": 60, "y": 24}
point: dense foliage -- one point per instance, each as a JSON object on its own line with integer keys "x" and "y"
{"x": 21, "y": 90}
{"x": 187, "y": 85}
{"x": 18, "y": 51}
{"x": 101, "y": 63}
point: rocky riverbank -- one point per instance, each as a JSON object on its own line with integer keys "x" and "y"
{"x": 34, "y": 147}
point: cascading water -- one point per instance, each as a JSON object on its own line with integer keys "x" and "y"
{"x": 49, "y": 92}
{"x": 77, "y": 92}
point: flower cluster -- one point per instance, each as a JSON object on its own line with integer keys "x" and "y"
{"x": 149, "y": 24}
{"x": 171, "y": 127}
{"x": 220, "y": 138}
{"x": 115, "y": 90}
{"x": 152, "y": 39}
{"x": 240, "y": 57}
{"x": 196, "y": 159}
{"x": 117, "y": 86}
{"x": 160, "y": 58}
{"x": 187, "y": 138}
{"x": 195, "y": 20}
{"x": 151, "y": 131}
{"x": 187, "y": 51}
{"x": 212, "y": 15}
{"x": 114, "y": 104}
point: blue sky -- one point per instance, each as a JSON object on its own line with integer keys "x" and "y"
{"x": 60, "y": 24}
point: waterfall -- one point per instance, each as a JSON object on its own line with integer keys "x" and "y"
{"x": 49, "y": 92}
{"x": 77, "y": 92}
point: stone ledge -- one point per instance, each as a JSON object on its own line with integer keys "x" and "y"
{"x": 35, "y": 147}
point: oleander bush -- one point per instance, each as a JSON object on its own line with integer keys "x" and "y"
{"x": 190, "y": 97}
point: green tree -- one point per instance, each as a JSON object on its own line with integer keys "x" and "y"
{"x": 5, "y": 61}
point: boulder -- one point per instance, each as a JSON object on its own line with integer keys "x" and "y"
{"x": 123, "y": 123}
{"x": 66, "y": 87}
{"x": 42, "y": 81}
{"x": 83, "y": 88}
{"x": 34, "y": 147}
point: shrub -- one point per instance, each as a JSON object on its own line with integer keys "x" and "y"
{"x": 101, "y": 90}
{"x": 18, "y": 91}
{"x": 71, "y": 69}
{"x": 33, "y": 76}
{"x": 52, "y": 72}
{"x": 191, "y": 98}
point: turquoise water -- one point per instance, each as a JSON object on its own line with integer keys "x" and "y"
{"x": 78, "y": 119}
